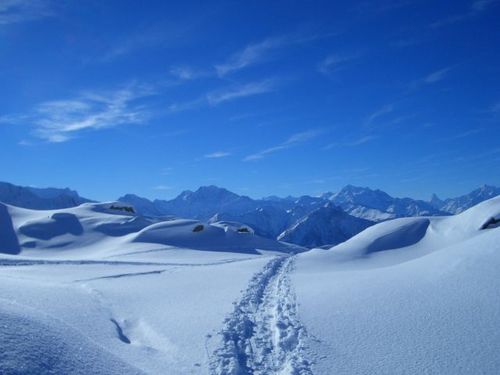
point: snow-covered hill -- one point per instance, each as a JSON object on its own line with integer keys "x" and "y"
{"x": 98, "y": 229}
{"x": 97, "y": 289}
{"x": 411, "y": 295}
{"x": 270, "y": 217}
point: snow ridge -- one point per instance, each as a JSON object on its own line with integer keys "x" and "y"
{"x": 263, "y": 335}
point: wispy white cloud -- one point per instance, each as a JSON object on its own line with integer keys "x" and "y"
{"x": 187, "y": 105}
{"x": 162, "y": 187}
{"x": 450, "y": 20}
{"x": 380, "y": 7}
{"x": 386, "y": 109}
{"x": 262, "y": 51}
{"x": 431, "y": 78}
{"x": 480, "y": 5}
{"x": 240, "y": 91}
{"x": 217, "y": 155}
{"x": 251, "y": 54}
{"x": 351, "y": 143}
{"x": 362, "y": 140}
{"x": 436, "y": 76}
{"x": 166, "y": 171}
{"x": 24, "y": 142}
{"x": 186, "y": 73}
{"x": 495, "y": 108}
{"x": 292, "y": 141}
{"x": 216, "y": 97}
{"x": 333, "y": 63}
{"x": 166, "y": 33}
{"x": 476, "y": 8}
{"x": 15, "y": 11}
{"x": 467, "y": 133}
{"x": 60, "y": 120}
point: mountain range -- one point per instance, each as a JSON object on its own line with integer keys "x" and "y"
{"x": 307, "y": 221}
{"x": 39, "y": 198}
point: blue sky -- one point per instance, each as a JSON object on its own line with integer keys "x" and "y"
{"x": 281, "y": 97}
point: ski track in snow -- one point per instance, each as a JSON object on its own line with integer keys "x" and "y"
{"x": 121, "y": 275}
{"x": 263, "y": 335}
{"x": 35, "y": 262}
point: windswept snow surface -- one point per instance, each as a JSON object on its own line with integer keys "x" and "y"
{"x": 408, "y": 296}
{"x": 95, "y": 289}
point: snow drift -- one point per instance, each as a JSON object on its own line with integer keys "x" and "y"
{"x": 107, "y": 228}
{"x": 415, "y": 295}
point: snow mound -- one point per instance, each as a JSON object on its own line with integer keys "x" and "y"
{"x": 421, "y": 235}
{"x": 194, "y": 234}
{"x": 57, "y": 224}
{"x": 103, "y": 229}
{"x": 8, "y": 239}
{"x": 392, "y": 235}
{"x": 408, "y": 296}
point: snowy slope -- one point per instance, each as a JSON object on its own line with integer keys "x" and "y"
{"x": 88, "y": 229}
{"x": 96, "y": 289}
{"x": 117, "y": 316}
{"x": 413, "y": 295}
{"x": 34, "y": 342}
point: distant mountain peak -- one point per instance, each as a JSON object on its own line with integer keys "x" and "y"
{"x": 463, "y": 202}
{"x": 39, "y": 198}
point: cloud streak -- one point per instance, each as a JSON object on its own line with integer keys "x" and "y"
{"x": 251, "y": 55}
{"x": 15, "y": 11}
{"x": 186, "y": 73}
{"x": 294, "y": 140}
{"x": 241, "y": 91}
{"x": 262, "y": 51}
{"x": 431, "y": 78}
{"x": 61, "y": 120}
{"x": 385, "y": 110}
{"x": 217, "y": 155}
{"x": 333, "y": 63}
{"x": 475, "y": 9}
{"x": 356, "y": 142}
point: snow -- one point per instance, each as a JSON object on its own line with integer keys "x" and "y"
{"x": 97, "y": 289}
{"x": 37, "y": 343}
{"x": 151, "y": 292}
{"x": 107, "y": 229}
{"x": 263, "y": 334}
{"x": 406, "y": 296}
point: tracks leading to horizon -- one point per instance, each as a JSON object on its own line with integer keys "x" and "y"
{"x": 263, "y": 335}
